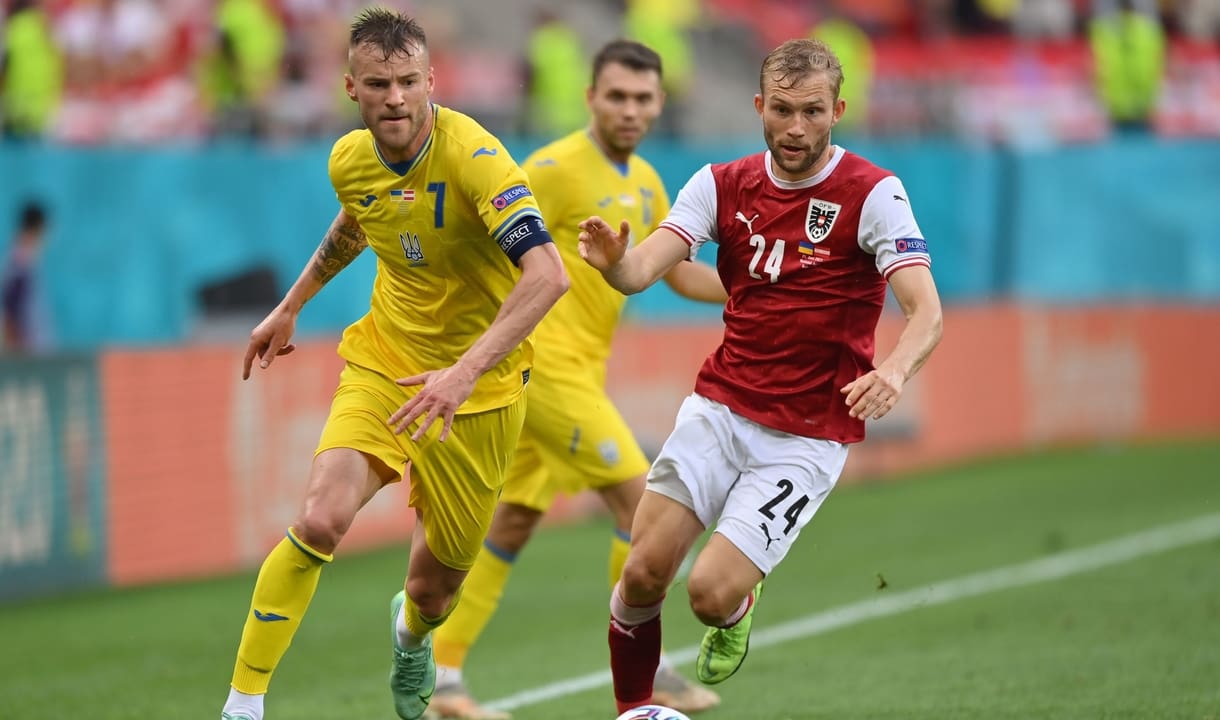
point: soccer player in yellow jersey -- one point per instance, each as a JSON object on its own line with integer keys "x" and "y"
{"x": 574, "y": 437}
{"x": 433, "y": 389}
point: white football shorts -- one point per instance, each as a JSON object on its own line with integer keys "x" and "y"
{"x": 757, "y": 486}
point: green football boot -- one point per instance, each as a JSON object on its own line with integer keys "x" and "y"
{"x": 413, "y": 673}
{"x": 724, "y": 649}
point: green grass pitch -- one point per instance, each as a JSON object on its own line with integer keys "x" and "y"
{"x": 1132, "y": 638}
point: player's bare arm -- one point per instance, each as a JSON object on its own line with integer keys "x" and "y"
{"x": 341, "y": 244}
{"x": 873, "y": 395}
{"x": 543, "y": 281}
{"x": 630, "y": 271}
{"x": 697, "y": 281}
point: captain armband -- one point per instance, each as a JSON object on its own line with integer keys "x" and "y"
{"x": 526, "y": 233}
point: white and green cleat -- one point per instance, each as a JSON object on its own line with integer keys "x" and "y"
{"x": 723, "y": 650}
{"x": 413, "y": 672}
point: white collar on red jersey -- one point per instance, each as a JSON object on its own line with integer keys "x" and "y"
{"x": 835, "y": 156}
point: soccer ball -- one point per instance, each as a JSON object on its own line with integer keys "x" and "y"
{"x": 652, "y": 712}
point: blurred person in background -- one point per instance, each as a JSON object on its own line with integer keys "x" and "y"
{"x": 980, "y": 17}
{"x": 31, "y": 71}
{"x": 666, "y": 27}
{"x": 123, "y": 75}
{"x": 295, "y": 109}
{"x": 574, "y": 438}
{"x": 855, "y": 51}
{"x": 555, "y": 72}
{"x": 434, "y": 383}
{"x": 307, "y": 102}
{"x": 1199, "y": 19}
{"x": 1128, "y": 44}
{"x": 26, "y": 324}
{"x": 242, "y": 67}
{"x": 808, "y": 236}
{"x": 1055, "y": 19}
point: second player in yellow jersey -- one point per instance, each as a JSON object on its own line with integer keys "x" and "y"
{"x": 574, "y": 437}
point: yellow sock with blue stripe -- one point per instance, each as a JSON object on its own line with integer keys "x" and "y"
{"x": 285, "y": 586}
{"x": 481, "y": 595}
{"x": 413, "y": 626}
{"x": 620, "y": 546}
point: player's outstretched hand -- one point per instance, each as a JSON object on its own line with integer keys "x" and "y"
{"x": 272, "y": 338}
{"x": 874, "y": 394}
{"x": 599, "y": 245}
{"x": 442, "y": 393}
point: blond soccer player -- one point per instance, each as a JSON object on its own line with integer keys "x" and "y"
{"x": 434, "y": 384}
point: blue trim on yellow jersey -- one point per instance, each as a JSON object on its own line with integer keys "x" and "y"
{"x": 501, "y": 553}
{"x": 402, "y": 168}
{"x": 624, "y": 535}
{"x": 623, "y": 168}
{"x": 508, "y": 224}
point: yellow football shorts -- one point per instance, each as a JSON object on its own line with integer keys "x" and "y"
{"x": 574, "y": 439}
{"x": 455, "y": 484}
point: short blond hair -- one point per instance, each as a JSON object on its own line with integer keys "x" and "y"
{"x": 789, "y": 64}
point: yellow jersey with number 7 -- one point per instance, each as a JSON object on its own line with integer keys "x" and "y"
{"x": 440, "y": 226}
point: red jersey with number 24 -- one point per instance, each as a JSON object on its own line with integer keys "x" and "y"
{"x": 805, "y": 266}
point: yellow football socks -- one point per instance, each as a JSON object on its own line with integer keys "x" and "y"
{"x": 420, "y": 626}
{"x": 286, "y": 583}
{"x": 481, "y": 595}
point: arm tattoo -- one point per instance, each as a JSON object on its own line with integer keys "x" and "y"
{"x": 343, "y": 242}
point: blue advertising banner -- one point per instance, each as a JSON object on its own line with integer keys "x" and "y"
{"x": 52, "y": 476}
{"x": 1122, "y": 220}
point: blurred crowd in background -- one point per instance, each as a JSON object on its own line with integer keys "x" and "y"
{"x": 131, "y": 71}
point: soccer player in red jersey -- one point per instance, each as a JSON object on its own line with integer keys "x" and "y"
{"x": 809, "y": 235}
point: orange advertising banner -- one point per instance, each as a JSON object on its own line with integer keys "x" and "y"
{"x": 205, "y": 471}
{"x": 1004, "y": 379}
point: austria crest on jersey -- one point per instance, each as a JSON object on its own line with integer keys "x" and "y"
{"x": 820, "y": 219}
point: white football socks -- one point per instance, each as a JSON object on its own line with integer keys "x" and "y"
{"x": 240, "y": 703}
{"x": 448, "y": 676}
{"x": 406, "y": 639}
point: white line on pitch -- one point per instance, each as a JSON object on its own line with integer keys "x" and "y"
{"x": 1114, "y": 552}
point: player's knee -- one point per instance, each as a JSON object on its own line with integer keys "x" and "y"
{"x": 431, "y": 599}
{"x": 642, "y": 584}
{"x": 512, "y": 528}
{"x": 711, "y": 601}
{"x": 622, "y": 500}
{"x": 622, "y": 518}
{"x": 320, "y": 529}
